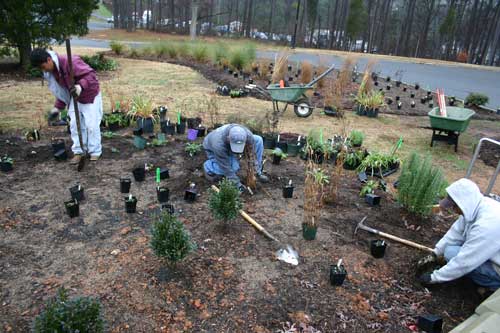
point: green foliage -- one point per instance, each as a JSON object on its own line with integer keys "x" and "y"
{"x": 319, "y": 176}
{"x": 6, "y": 159}
{"x": 193, "y": 148}
{"x": 109, "y": 134}
{"x": 353, "y": 158}
{"x": 36, "y": 22}
{"x": 356, "y": 19}
{"x": 169, "y": 238}
{"x": 476, "y": 99}
{"x": 225, "y": 204}
{"x": 420, "y": 184}
{"x": 63, "y": 315}
{"x": 446, "y": 28}
{"x": 99, "y": 63}
{"x": 220, "y": 53}
{"x": 8, "y": 52}
{"x": 34, "y": 72}
{"x": 238, "y": 59}
{"x": 117, "y": 47}
{"x": 377, "y": 162}
{"x": 142, "y": 107}
{"x": 369, "y": 188}
{"x": 356, "y": 138}
{"x": 280, "y": 153}
{"x": 200, "y": 53}
{"x": 115, "y": 118}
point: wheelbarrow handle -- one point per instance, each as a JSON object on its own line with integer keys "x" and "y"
{"x": 313, "y": 82}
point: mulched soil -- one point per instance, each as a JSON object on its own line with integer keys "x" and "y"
{"x": 490, "y": 153}
{"x": 232, "y": 282}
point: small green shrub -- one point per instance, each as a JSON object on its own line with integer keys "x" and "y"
{"x": 476, "y": 99}
{"x": 226, "y": 203}
{"x": 134, "y": 53}
{"x": 420, "y": 184}
{"x": 160, "y": 50}
{"x": 183, "y": 49}
{"x": 117, "y": 47}
{"x": 200, "y": 53}
{"x": 356, "y": 138}
{"x": 34, "y": 72}
{"x": 63, "y": 315}
{"x": 280, "y": 153}
{"x": 193, "y": 148}
{"x": 220, "y": 53}
{"x": 100, "y": 63}
{"x": 169, "y": 239}
{"x": 378, "y": 162}
{"x": 238, "y": 59}
{"x": 369, "y": 188}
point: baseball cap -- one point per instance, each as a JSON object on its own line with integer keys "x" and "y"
{"x": 237, "y": 138}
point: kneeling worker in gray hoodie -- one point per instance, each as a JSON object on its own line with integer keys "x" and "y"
{"x": 472, "y": 245}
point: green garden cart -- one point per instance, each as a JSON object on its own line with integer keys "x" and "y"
{"x": 294, "y": 94}
{"x": 448, "y": 128}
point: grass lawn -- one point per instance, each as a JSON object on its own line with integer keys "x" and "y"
{"x": 23, "y": 104}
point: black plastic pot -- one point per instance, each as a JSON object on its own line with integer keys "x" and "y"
{"x": 308, "y": 232}
{"x": 250, "y": 81}
{"x": 412, "y": 104}
{"x": 139, "y": 174}
{"x": 417, "y": 86}
{"x": 377, "y": 248}
{"x": 429, "y": 93}
{"x": 389, "y": 101}
{"x": 431, "y": 104}
{"x": 168, "y": 129}
{"x": 398, "y": 83}
{"x": 290, "y": 79}
{"x": 164, "y": 174}
{"x": 288, "y": 192}
{"x": 388, "y": 79}
{"x": 276, "y": 159}
{"x": 130, "y": 204}
{"x": 77, "y": 193}
{"x": 201, "y": 131}
{"x": 235, "y": 75}
{"x": 372, "y": 199}
{"x": 372, "y": 113}
{"x": 138, "y": 131}
{"x": 375, "y": 83}
{"x": 412, "y": 95}
{"x": 190, "y": 195}
{"x": 398, "y": 98}
{"x": 168, "y": 207}
{"x": 337, "y": 275}
{"x": 318, "y": 157}
{"x": 72, "y": 208}
{"x": 388, "y": 87}
{"x": 430, "y": 323}
{"x": 146, "y": 124}
{"x": 423, "y": 100}
{"x": 348, "y": 166}
{"x": 61, "y": 155}
{"x": 330, "y": 111}
{"x": 57, "y": 146}
{"x": 405, "y": 89}
{"x": 400, "y": 105}
{"x": 125, "y": 185}
{"x": 230, "y": 71}
{"x": 180, "y": 128}
{"x": 162, "y": 193}
{"x": 6, "y": 166}
{"x": 113, "y": 127}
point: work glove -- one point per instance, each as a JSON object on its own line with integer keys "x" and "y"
{"x": 54, "y": 114}
{"x": 425, "y": 279}
{"x": 76, "y": 90}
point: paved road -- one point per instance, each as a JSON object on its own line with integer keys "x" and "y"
{"x": 455, "y": 80}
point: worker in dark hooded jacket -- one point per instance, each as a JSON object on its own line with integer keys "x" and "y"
{"x": 472, "y": 245}
{"x": 224, "y": 148}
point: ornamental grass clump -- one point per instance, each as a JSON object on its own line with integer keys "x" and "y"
{"x": 225, "y": 204}
{"x": 315, "y": 181}
{"x": 61, "y": 315}
{"x": 420, "y": 184}
{"x": 170, "y": 240}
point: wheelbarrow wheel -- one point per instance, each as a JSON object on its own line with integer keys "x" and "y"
{"x": 302, "y": 108}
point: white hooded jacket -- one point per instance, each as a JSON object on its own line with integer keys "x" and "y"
{"x": 477, "y": 231}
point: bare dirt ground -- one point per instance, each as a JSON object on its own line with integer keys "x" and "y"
{"x": 232, "y": 282}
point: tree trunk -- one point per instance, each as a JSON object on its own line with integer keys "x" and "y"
{"x": 194, "y": 19}
{"x": 24, "y": 55}
{"x": 496, "y": 38}
{"x": 116, "y": 13}
{"x": 271, "y": 16}
{"x": 333, "y": 31}
{"x": 471, "y": 31}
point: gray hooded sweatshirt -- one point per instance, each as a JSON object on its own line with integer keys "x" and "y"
{"x": 217, "y": 143}
{"x": 477, "y": 231}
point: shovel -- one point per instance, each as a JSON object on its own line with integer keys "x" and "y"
{"x": 287, "y": 254}
{"x": 81, "y": 164}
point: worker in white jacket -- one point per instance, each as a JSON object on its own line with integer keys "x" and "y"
{"x": 472, "y": 245}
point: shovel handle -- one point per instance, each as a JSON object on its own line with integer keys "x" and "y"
{"x": 406, "y": 242}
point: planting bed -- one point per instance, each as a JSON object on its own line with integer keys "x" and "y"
{"x": 232, "y": 282}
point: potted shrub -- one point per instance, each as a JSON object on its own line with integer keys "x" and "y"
{"x": 338, "y": 274}
{"x": 167, "y": 127}
{"x": 352, "y": 159}
{"x": 377, "y": 248}
{"x": 225, "y": 204}
{"x": 356, "y": 138}
{"x": 191, "y": 193}
{"x": 170, "y": 240}
{"x": 77, "y": 192}
{"x": 202, "y": 130}
{"x": 315, "y": 181}
{"x": 400, "y": 105}
{"x": 125, "y": 185}
{"x": 288, "y": 190}
{"x": 115, "y": 121}
{"x": 368, "y": 192}
{"x": 417, "y": 86}
{"x": 278, "y": 155}
{"x": 130, "y": 204}
{"x": 193, "y": 148}
{"x": 6, "y": 163}
{"x": 142, "y": 110}
{"x": 61, "y": 314}
{"x": 139, "y": 173}
{"x": 405, "y": 89}
{"x": 163, "y": 194}
{"x": 412, "y": 104}
{"x": 72, "y": 208}
{"x": 380, "y": 165}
